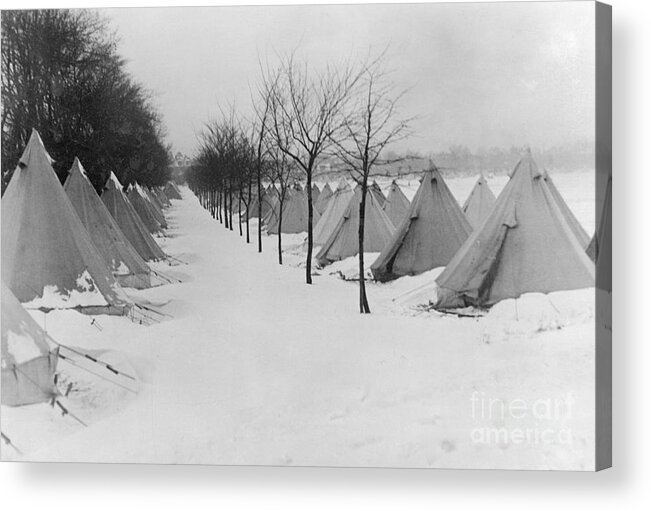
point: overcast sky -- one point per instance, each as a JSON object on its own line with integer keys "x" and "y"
{"x": 480, "y": 74}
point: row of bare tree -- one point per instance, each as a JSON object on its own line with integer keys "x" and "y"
{"x": 302, "y": 115}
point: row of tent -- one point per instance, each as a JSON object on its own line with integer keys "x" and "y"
{"x": 67, "y": 247}
{"x": 525, "y": 240}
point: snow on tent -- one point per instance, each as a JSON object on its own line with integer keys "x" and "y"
{"x": 295, "y": 213}
{"x": 429, "y": 235}
{"x": 324, "y": 197}
{"x": 127, "y": 266}
{"x": 396, "y": 205}
{"x": 48, "y": 258}
{"x": 526, "y": 245}
{"x": 571, "y": 220}
{"x": 172, "y": 191}
{"x": 344, "y": 240}
{"x": 141, "y": 205}
{"x": 479, "y": 203}
{"x": 334, "y": 211}
{"x": 29, "y": 356}
{"x": 129, "y": 222}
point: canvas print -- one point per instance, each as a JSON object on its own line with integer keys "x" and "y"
{"x": 320, "y": 235}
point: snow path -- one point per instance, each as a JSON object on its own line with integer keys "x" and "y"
{"x": 256, "y": 367}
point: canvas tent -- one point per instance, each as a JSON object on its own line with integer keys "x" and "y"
{"x": 600, "y": 247}
{"x": 154, "y": 206}
{"x": 525, "y": 245}
{"x": 172, "y": 191}
{"x": 162, "y": 198}
{"x": 396, "y": 205}
{"x": 324, "y": 197}
{"x": 141, "y": 205}
{"x": 430, "y": 233}
{"x": 344, "y": 240}
{"x": 270, "y": 205}
{"x": 48, "y": 258}
{"x": 129, "y": 222}
{"x": 377, "y": 191}
{"x": 571, "y": 220}
{"x": 269, "y": 202}
{"x": 127, "y": 266}
{"x": 295, "y": 213}
{"x": 332, "y": 215}
{"x": 315, "y": 193}
{"x": 29, "y": 356}
{"x": 479, "y": 203}
{"x": 153, "y": 198}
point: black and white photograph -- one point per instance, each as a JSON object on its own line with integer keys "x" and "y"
{"x": 374, "y": 235}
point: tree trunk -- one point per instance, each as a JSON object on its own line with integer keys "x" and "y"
{"x": 280, "y": 235}
{"x": 259, "y": 211}
{"x": 220, "y": 201}
{"x": 225, "y": 208}
{"x": 310, "y": 214}
{"x": 239, "y": 212}
{"x": 230, "y": 208}
{"x": 363, "y": 301}
{"x": 248, "y": 207}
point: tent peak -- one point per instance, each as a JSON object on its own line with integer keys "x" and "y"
{"x": 35, "y": 146}
{"x": 76, "y": 165}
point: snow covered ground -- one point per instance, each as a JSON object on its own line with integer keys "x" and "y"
{"x": 252, "y": 366}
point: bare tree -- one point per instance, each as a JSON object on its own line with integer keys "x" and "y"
{"x": 305, "y": 115}
{"x": 281, "y": 172}
{"x": 260, "y": 129}
{"x": 371, "y": 123}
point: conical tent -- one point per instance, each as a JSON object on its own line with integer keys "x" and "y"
{"x": 270, "y": 205}
{"x": 315, "y": 194}
{"x": 429, "y": 235}
{"x": 332, "y": 215}
{"x": 571, "y": 220}
{"x": 29, "y": 356}
{"x": 172, "y": 191}
{"x": 592, "y": 249}
{"x": 377, "y": 191}
{"x": 162, "y": 197}
{"x": 144, "y": 212}
{"x": 324, "y": 197}
{"x": 525, "y": 245}
{"x": 600, "y": 247}
{"x": 396, "y": 205}
{"x": 127, "y": 266}
{"x": 154, "y": 208}
{"x": 252, "y": 208}
{"x": 479, "y": 203}
{"x": 129, "y": 222}
{"x": 344, "y": 240}
{"x": 295, "y": 214}
{"x": 48, "y": 257}
{"x": 153, "y": 198}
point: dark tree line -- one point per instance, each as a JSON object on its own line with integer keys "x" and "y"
{"x": 62, "y": 75}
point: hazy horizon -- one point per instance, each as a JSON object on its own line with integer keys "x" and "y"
{"x": 479, "y": 75}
